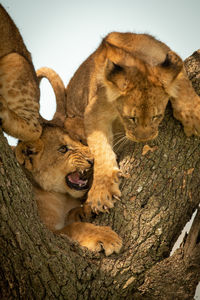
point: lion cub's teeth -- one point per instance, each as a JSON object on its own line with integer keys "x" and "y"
{"x": 84, "y": 183}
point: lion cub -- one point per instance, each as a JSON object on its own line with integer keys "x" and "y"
{"x": 129, "y": 78}
{"x": 19, "y": 90}
{"x": 59, "y": 169}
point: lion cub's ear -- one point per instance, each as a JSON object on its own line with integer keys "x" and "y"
{"x": 117, "y": 75}
{"x": 168, "y": 71}
{"x": 28, "y": 153}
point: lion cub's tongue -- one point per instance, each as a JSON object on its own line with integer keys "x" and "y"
{"x": 75, "y": 178}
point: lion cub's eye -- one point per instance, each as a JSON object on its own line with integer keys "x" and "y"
{"x": 157, "y": 117}
{"x": 133, "y": 119}
{"x": 63, "y": 149}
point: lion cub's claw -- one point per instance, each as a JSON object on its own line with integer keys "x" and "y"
{"x": 104, "y": 192}
{"x": 116, "y": 197}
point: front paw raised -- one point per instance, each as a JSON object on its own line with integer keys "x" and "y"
{"x": 103, "y": 190}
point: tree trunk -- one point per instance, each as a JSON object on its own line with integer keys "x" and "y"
{"x": 159, "y": 195}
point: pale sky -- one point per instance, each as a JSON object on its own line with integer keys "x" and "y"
{"x": 61, "y": 34}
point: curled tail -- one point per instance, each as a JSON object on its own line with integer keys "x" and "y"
{"x": 59, "y": 90}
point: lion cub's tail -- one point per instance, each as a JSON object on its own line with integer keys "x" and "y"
{"x": 59, "y": 90}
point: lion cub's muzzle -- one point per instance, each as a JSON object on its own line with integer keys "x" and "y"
{"x": 142, "y": 135}
{"x": 80, "y": 179}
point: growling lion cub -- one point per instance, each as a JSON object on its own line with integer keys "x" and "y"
{"x": 19, "y": 90}
{"x": 59, "y": 170}
{"x": 130, "y": 77}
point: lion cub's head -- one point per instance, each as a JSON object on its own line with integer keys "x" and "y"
{"x": 140, "y": 76}
{"x": 56, "y": 162}
{"x": 141, "y": 104}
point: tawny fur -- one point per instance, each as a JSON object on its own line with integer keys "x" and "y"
{"x": 74, "y": 126}
{"x": 19, "y": 90}
{"x": 47, "y": 165}
{"x": 128, "y": 79}
{"x": 59, "y": 90}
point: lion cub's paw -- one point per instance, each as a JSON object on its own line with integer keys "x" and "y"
{"x": 104, "y": 191}
{"x": 191, "y": 121}
{"x": 95, "y": 238}
{"x": 78, "y": 214}
{"x": 102, "y": 237}
{"x": 189, "y": 115}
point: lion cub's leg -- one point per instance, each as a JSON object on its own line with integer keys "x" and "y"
{"x": 98, "y": 126}
{"x": 186, "y": 105}
{"x": 19, "y": 98}
{"x": 93, "y": 237}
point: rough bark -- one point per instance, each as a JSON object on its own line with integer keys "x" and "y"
{"x": 159, "y": 195}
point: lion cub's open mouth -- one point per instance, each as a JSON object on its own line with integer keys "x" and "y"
{"x": 77, "y": 180}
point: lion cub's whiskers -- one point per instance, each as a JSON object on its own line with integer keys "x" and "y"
{"x": 121, "y": 140}
{"x": 116, "y": 136}
{"x": 117, "y": 139}
{"x": 119, "y": 133}
{"x": 124, "y": 143}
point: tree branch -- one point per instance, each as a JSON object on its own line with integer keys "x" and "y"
{"x": 176, "y": 277}
{"x": 159, "y": 196}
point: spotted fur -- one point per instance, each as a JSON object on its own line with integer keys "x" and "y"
{"x": 19, "y": 90}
